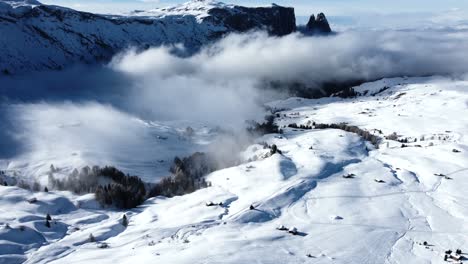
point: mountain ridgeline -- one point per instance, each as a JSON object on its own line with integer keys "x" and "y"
{"x": 38, "y": 37}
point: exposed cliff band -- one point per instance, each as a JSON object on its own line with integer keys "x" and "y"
{"x": 44, "y": 37}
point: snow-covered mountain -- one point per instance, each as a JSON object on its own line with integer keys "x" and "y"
{"x": 375, "y": 173}
{"x": 401, "y": 200}
{"x": 43, "y": 37}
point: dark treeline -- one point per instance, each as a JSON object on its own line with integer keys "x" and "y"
{"x": 366, "y": 135}
{"x": 187, "y": 175}
{"x": 266, "y": 127}
{"x": 112, "y": 187}
{"x": 319, "y": 90}
{"x": 125, "y": 191}
{"x": 83, "y": 181}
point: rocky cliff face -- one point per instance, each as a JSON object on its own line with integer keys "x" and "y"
{"x": 43, "y": 37}
{"x": 276, "y": 20}
{"x": 318, "y": 25}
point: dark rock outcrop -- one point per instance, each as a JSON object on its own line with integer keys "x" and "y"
{"x": 277, "y": 20}
{"x": 318, "y": 25}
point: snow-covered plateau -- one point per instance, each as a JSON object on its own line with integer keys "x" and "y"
{"x": 339, "y": 198}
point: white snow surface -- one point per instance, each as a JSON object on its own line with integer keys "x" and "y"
{"x": 339, "y": 220}
{"x": 20, "y": 3}
{"x": 196, "y": 8}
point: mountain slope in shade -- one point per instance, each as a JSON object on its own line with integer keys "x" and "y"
{"x": 42, "y": 37}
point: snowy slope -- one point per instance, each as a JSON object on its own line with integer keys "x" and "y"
{"x": 339, "y": 220}
{"x": 198, "y": 9}
{"x": 42, "y": 37}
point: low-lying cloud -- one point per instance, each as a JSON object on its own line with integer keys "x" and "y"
{"x": 224, "y": 84}
{"x": 311, "y": 60}
{"x": 230, "y": 78}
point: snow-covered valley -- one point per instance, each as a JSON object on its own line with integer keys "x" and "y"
{"x": 207, "y": 132}
{"x": 350, "y": 201}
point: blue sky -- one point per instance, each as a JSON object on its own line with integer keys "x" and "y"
{"x": 334, "y": 7}
{"x": 358, "y": 12}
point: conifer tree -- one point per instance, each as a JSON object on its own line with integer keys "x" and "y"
{"x": 124, "y": 220}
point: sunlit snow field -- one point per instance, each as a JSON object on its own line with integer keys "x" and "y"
{"x": 393, "y": 204}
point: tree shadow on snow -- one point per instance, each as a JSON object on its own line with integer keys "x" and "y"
{"x": 288, "y": 168}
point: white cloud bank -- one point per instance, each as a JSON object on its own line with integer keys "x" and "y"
{"x": 226, "y": 80}
{"x": 224, "y": 84}
{"x": 364, "y": 55}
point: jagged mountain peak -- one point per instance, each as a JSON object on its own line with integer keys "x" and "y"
{"x": 318, "y": 24}
{"x": 321, "y": 17}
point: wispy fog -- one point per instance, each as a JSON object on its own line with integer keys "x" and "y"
{"x": 228, "y": 80}
{"x": 224, "y": 84}
{"x": 73, "y": 135}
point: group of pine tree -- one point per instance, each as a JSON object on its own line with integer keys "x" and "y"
{"x": 112, "y": 187}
